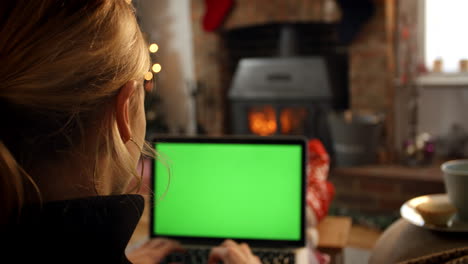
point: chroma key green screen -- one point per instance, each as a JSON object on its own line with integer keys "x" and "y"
{"x": 226, "y": 190}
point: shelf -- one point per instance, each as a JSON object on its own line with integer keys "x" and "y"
{"x": 441, "y": 80}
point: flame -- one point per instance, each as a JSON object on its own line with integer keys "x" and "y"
{"x": 262, "y": 120}
{"x": 292, "y": 120}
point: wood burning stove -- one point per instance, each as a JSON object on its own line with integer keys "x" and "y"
{"x": 282, "y": 96}
{"x": 293, "y": 91}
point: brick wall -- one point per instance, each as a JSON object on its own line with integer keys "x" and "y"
{"x": 207, "y": 59}
{"x": 383, "y": 190}
{"x": 257, "y": 12}
{"x": 368, "y": 65}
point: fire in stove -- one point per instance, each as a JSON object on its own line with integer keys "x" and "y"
{"x": 263, "y": 120}
{"x": 292, "y": 121}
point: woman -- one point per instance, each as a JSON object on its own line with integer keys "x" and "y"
{"x": 71, "y": 98}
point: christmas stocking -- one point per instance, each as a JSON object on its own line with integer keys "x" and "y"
{"x": 216, "y": 10}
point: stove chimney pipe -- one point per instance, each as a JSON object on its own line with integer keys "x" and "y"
{"x": 287, "y": 41}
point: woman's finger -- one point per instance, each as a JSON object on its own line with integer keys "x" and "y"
{"x": 229, "y": 252}
{"x": 245, "y": 249}
{"x": 217, "y": 254}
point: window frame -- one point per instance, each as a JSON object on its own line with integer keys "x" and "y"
{"x": 434, "y": 79}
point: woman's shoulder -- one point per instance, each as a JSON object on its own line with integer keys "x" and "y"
{"x": 85, "y": 228}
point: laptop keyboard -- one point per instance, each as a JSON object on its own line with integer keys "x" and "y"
{"x": 275, "y": 257}
{"x": 200, "y": 256}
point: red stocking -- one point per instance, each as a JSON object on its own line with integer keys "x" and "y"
{"x": 216, "y": 10}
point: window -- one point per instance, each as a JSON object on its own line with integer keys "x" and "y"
{"x": 446, "y": 35}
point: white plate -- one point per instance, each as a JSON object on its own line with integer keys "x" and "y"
{"x": 408, "y": 211}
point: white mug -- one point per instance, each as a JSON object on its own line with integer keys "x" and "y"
{"x": 456, "y": 185}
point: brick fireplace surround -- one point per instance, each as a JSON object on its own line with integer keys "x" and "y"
{"x": 371, "y": 60}
{"x": 374, "y": 190}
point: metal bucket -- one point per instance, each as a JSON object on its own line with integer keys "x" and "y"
{"x": 355, "y": 138}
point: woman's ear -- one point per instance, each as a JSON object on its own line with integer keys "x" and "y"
{"x": 122, "y": 110}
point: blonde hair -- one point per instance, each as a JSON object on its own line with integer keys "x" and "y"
{"x": 63, "y": 62}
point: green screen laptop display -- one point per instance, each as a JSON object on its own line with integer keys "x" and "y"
{"x": 240, "y": 190}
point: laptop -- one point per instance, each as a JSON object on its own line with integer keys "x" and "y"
{"x": 249, "y": 189}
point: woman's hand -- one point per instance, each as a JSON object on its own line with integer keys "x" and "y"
{"x": 153, "y": 251}
{"x": 230, "y": 252}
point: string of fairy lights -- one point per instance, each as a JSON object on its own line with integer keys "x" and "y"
{"x": 156, "y": 67}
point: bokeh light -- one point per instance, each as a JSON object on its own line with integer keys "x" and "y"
{"x": 148, "y": 76}
{"x": 153, "y": 48}
{"x": 156, "y": 67}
